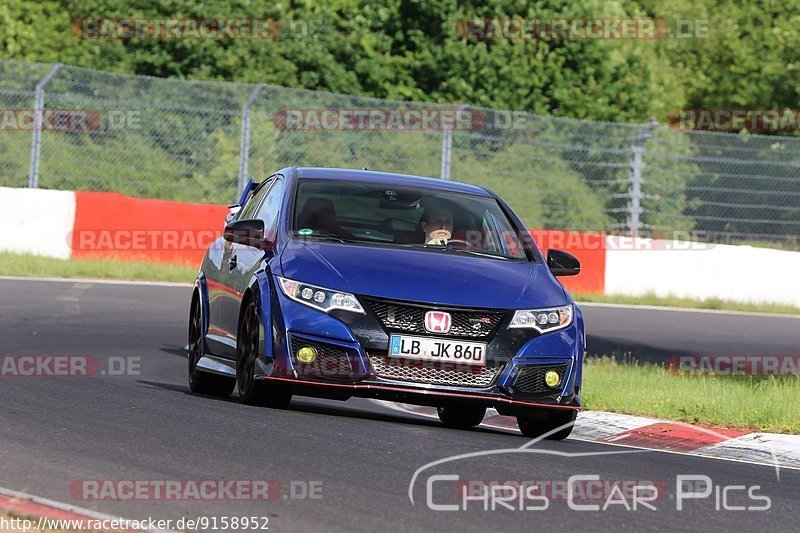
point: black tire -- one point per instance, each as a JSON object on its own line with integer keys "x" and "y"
{"x": 199, "y": 381}
{"x": 461, "y": 416}
{"x": 251, "y": 391}
{"x": 546, "y": 421}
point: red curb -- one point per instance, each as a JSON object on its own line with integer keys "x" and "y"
{"x": 674, "y": 437}
{"x": 30, "y": 509}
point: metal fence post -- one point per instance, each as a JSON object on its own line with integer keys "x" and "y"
{"x": 447, "y": 150}
{"x": 447, "y": 143}
{"x": 244, "y": 141}
{"x": 38, "y": 109}
{"x": 634, "y": 222}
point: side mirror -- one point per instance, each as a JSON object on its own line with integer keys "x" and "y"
{"x": 561, "y": 263}
{"x": 248, "y": 232}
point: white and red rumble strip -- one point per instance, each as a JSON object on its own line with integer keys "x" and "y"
{"x": 35, "y": 508}
{"x": 662, "y": 435}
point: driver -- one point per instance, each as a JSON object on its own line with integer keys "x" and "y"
{"x": 437, "y": 224}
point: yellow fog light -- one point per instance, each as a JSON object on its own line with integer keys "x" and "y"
{"x": 551, "y": 378}
{"x": 306, "y": 354}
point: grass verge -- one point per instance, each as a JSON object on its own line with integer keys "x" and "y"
{"x": 763, "y": 403}
{"x": 36, "y": 266}
{"x": 673, "y": 301}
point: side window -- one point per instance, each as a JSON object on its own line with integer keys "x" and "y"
{"x": 251, "y": 205}
{"x": 505, "y": 238}
{"x": 490, "y": 233}
{"x": 270, "y": 208}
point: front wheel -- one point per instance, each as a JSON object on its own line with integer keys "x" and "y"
{"x": 461, "y": 417}
{"x": 547, "y": 421}
{"x": 199, "y": 381}
{"x": 251, "y": 391}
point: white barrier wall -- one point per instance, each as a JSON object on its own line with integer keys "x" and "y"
{"x": 702, "y": 271}
{"x": 37, "y": 221}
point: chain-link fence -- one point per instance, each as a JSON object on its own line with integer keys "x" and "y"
{"x": 72, "y": 128}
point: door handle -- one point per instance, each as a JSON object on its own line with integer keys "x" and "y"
{"x": 232, "y": 262}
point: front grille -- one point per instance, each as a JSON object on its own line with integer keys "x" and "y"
{"x": 331, "y": 362}
{"x": 531, "y": 378}
{"x": 433, "y": 373}
{"x": 411, "y": 318}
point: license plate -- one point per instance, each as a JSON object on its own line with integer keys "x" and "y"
{"x": 441, "y": 350}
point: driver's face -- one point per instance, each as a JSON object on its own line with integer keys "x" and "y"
{"x": 439, "y": 227}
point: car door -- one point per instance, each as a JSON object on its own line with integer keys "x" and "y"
{"x": 226, "y": 299}
{"x": 250, "y": 259}
{"x": 214, "y": 271}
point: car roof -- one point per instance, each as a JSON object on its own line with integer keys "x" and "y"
{"x": 389, "y": 178}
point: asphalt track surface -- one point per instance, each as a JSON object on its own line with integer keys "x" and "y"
{"x": 653, "y": 334}
{"x": 147, "y": 425}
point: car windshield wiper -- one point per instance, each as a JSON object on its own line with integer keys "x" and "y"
{"x": 447, "y": 246}
{"x": 453, "y": 248}
{"x": 329, "y": 235}
{"x": 483, "y": 253}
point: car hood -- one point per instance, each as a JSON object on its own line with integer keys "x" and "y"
{"x": 441, "y": 278}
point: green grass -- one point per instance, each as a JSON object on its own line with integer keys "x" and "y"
{"x": 31, "y": 265}
{"x": 674, "y": 301}
{"x": 747, "y": 402}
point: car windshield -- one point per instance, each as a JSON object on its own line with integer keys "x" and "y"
{"x": 380, "y": 214}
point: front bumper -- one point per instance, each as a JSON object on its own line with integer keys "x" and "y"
{"x": 353, "y": 362}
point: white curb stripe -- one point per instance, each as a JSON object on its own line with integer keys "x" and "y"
{"x": 598, "y": 425}
{"x": 762, "y": 449}
{"x": 786, "y": 448}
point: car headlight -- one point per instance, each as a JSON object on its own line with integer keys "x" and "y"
{"x": 319, "y": 297}
{"x": 543, "y": 320}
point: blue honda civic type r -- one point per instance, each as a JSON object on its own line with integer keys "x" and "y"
{"x": 340, "y": 283}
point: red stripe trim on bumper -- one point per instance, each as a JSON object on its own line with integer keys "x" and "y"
{"x": 354, "y": 386}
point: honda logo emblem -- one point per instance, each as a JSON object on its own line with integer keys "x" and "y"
{"x": 437, "y": 321}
